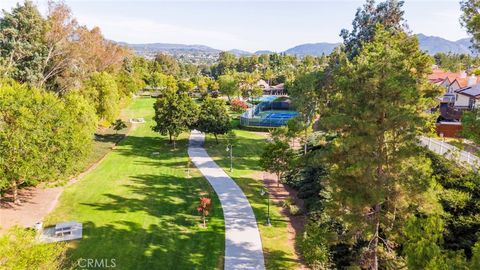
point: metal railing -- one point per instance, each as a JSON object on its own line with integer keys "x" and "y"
{"x": 463, "y": 158}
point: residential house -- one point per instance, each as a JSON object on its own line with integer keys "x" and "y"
{"x": 444, "y": 78}
{"x": 263, "y": 84}
{"x": 463, "y": 94}
{"x": 468, "y": 97}
{"x": 275, "y": 90}
{"x": 462, "y": 82}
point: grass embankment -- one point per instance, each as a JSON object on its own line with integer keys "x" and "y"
{"x": 279, "y": 252}
{"x": 140, "y": 209}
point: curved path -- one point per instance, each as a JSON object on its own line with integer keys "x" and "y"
{"x": 243, "y": 246}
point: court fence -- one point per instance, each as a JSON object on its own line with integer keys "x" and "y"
{"x": 273, "y": 119}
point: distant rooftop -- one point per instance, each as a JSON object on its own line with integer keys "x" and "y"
{"x": 471, "y": 91}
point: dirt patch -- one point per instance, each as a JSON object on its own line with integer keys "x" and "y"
{"x": 36, "y": 203}
{"x": 279, "y": 193}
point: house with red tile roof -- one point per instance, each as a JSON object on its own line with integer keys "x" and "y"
{"x": 450, "y": 80}
{"x": 461, "y": 82}
{"x": 462, "y": 93}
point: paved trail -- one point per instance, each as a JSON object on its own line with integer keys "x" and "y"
{"x": 243, "y": 246}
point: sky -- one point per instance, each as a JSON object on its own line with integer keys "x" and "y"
{"x": 246, "y": 25}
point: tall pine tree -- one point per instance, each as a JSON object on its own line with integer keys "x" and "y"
{"x": 376, "y": 177}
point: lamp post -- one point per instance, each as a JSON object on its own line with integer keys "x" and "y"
{"x": 230, "y": 149}
{"x": 263, "y": 191}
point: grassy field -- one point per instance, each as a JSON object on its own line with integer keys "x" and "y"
{"x": 279, "y": 253}
{"x": 140, "y": 209}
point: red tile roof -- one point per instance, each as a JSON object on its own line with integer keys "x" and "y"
{"x": 438, "y": 74}
{"x": 463, "y": 82}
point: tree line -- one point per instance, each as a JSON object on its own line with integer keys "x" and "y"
{"x": 57, "y": 81}
{"x": 374, "y": 198}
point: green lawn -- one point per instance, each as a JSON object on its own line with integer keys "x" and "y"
{"x": 278, "y": 252}
{"x": 140, "y": 209}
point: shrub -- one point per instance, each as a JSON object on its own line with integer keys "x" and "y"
{"x": 19, "y": 250}
{"x": 294, "y": 210}
{"x": 314, "y": 246}
{"x": 238, "y": 105}
{"x": 288, "y": 202}
{"x": 214, "y": 94}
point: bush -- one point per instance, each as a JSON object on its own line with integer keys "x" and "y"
{"x": 19, "y": 250}
{"x": 294, "y": 210}
{"x": 256, "y": 128}
{"x": 314, "y": 246}
{"x": 238, "y": 105}
{"x": 288, "y": 202}
{"x": 214, "y": 94}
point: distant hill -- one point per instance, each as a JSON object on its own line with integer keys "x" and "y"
{"x": 434, "y": 45}
{"x": 201, "y": 54}
{"x": 239, "y": 52}
{"x": 315, "y": 49}
{"x": 166, "y": 47}
{"x": 263, "y": 52}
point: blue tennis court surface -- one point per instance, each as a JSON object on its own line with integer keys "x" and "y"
{"x": 273, "y": 111}
{"x": 277, "y": 114}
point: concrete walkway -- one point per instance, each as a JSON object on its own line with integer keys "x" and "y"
{"x": 243, "y": 246}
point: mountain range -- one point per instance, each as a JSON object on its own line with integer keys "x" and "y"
{"x": 430, "y": 44}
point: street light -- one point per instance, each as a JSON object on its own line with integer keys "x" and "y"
{"x": 263, "y": 191}
{"x": 230, "y": 149}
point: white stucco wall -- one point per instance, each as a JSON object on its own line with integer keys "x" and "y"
{"x": 461, "y": 100}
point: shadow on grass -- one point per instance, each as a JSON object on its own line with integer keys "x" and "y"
{"x": 170, "y": 237}
{"x": 279, "y": 260}
{"x": 245, "y": 152}
{"x": 156, "y": 246}
{"x": 112, "y": 138}
{"x": 152, "y": 222}
{"x": 159, "y": 195}
{"x": 147, "y": 146}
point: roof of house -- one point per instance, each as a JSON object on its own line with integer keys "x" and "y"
{"x": 440, "y": 75}
{"x": 280, "y": 86}
{"x": 471, "y": 91}
{"x": 463, "y": 82}
{"x": 263, "y": 83}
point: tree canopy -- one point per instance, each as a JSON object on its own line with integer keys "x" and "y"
{"x": 213, "y": 117}
{"x": 388, "y": 13}
{"x": 470, "y": 19}
{"x": 41, "y": 137}
{"x": 376, "y": 109}
{"x": 174, "y": 114}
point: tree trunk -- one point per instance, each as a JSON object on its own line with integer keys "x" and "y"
{"x": 216, "y": 139}
{"x": 15, "y": 192}
{"x": 174, "y": 143}
{"x": 170, "y": 136}
{"x": 375, "y": 239}
{"x": 204, "y": 222}
{"x": 305, "y": 142}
